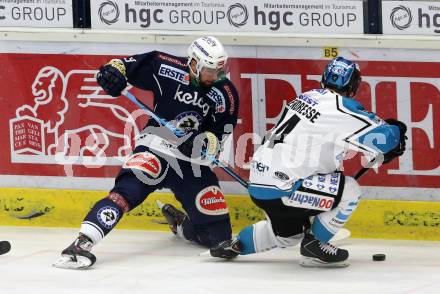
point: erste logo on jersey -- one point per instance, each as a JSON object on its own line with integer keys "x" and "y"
{"x": 307, "y": 99}
{"x": 211, "y": 201}
{"x": 217, "y": 96}
{"x": 174, "y": 74}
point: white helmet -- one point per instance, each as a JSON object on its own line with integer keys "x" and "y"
{"x": 207, "y": 52}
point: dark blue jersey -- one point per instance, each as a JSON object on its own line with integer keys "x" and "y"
{"x": 177, "y": 99}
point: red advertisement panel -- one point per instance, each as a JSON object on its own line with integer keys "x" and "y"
{"x": 58, "y": 122}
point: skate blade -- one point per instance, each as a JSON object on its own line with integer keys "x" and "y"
{"x": 315, "y": 262}
{"x": 205, "y": 253}
{"x": 66, "y": 262}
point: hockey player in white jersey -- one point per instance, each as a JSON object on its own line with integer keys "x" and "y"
{"x": 294, "y": 174}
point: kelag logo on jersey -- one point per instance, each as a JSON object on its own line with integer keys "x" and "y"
{"x": 216, "y": 95}
{"x": 191, "y": 99}
{"x": 174, "y": 74}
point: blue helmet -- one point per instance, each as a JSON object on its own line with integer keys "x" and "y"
{"x": 342, "y": 75}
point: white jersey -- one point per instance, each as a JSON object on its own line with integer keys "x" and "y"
{"x": 313, "y": 135}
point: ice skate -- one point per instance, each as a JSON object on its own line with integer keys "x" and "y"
{"x": 77, "y": 255}
{"x": 317, "y": 254}
{"x": 226, "y": 249}
{"x": 173, "y": 216}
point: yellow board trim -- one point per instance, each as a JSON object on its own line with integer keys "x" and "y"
{"x": 67, "y": 208}
{"x": 387, "y": 219}
{"x": 392, "y": 219}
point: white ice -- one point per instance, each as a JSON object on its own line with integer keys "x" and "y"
{"x": 131, "y": 262}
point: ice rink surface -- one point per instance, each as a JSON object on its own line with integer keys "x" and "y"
{"x": 131, "y": 262}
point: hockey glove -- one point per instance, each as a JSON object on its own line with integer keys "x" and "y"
{"x": 200, "y": 144}
{"x": 111, "y": 77}
{"x": 400, "y": 148}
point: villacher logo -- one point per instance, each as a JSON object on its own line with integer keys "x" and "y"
{"x": 401, "y": 17}
{"x": 108, "y": 12}
{"x": 237, "y": 15}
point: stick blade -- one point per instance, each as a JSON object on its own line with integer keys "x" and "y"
{"x": 342, "y": 234}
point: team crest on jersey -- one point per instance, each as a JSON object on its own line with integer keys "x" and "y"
{"x": 174, "y": 74}
{"x": 108, "y": 216}
{"x": 189, "y": 120}
{"x": 217, "y": 96}
{"x": 211, "y": 201}
{"x": 146, "y": 162}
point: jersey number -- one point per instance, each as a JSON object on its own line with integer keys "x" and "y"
{"x": 281, "y": 130}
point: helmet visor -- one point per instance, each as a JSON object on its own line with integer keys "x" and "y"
{"x": 211, "y": 73}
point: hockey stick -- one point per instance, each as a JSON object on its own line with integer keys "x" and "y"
{"x": 151, "y": 113}
{"x": 214, "y": 160}
{"x": 179, "y": 133}
{"x": 361, "y": 172}
{"x": 5, "y": 246}
{"x": 342, "y": 234}
{"x": 364, "y": 169}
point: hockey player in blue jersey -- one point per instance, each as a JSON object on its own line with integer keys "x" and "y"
{"x": 294, "y": 173}
{"x": 195, "y": 96}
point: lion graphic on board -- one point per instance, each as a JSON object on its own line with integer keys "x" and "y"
{"x": 79, "y": 118}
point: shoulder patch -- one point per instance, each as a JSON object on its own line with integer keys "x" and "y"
{"x": 217, "y": 96}
{"x": 231, "y": 98}
{"x": 174, "y": 74}
{"x": 171, "y": 59}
